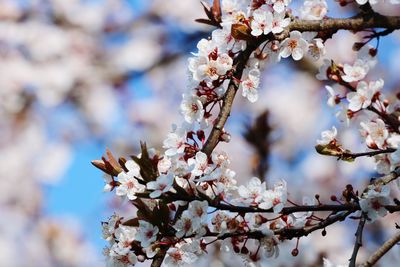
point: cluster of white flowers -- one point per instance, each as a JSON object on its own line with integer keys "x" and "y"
{"x": 373, "y": 201}
{"x": 365, "y": 96}
{"x": 193, "y": 182}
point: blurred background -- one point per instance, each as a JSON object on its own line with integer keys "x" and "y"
{"x": 77, "y": 76}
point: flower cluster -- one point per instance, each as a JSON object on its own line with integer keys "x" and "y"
{"x": 176, "y": 191}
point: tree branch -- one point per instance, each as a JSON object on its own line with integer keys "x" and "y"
{"x": 358, "y": 242}
{"x": 382, "y": 251}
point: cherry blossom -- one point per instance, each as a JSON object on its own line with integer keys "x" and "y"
{"x": 199, "y": 163}
{"x": 262, "y": 22}
{"x": 125, "y": 236}
{"x": 313, "y": 9}
{"x": 323, "y": 70}
{"x": 334, "y": 98}
{"x": 190, "y": 185}
{"x": 279, "y": 5}
{"x": 253, "y": 192}
{"x": 374, "y": 200}
{"x": 199, "y": 209}
{"x": 356, "y": 72}
{"x": 175, "y": 141}
{"x": 146, "y": 233}
{"x": 328, "y": 136}
{"x": 161, "y": 185}
{"x": 270, "y": 244}
{"x": 375, "y": 133}
{"x": 363, "y": 96}
{"x": 179, "y": 257}
{"x": 279, "y": 22}
{"x": 129, "y": 185}
{"x": 250, "y": 85}
{"x": 186, "y": 225}
{"x": 295, "y": 45}
{"x": 192, "y": 108}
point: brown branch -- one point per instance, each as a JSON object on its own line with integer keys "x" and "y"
{"x": 347, "y": 155}
{"x": 358, "y": 243}
{"x": 230, "y": 93}
{"x": 288, "y": 233}
{"x": 382, "y": 251}
{"x": 159, "y": 258}
{"x": 384, "y": 180}
{"x": 169, "y": 197}
{"x": 357, "y": 23}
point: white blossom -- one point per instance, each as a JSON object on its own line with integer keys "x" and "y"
{"x": 199, "y": 163}
{"x": 375, "y": 133}
{"x": 186, "y": 225}
{"x": 192, "y": 108}
{"x": 175, "y": 141}
{"x": 279, "y": 5}
{"x": 129, "y": 185}
{"x": 356, "y": 72}
{"x": 249, "y": 85}
{"x": 125, "y": 236}
{"x": 327, "y": 136}
{"x": 162, "y": 184}
{"x": 313, "y": 9}
{"x": 146, "y": 233}
{"x": 333, "y": 96}
{"x": 262, "y": 22}
{"x": 295, "y": 46}
{"x": 373, "y": 201}
{"x": 363, "y": 96}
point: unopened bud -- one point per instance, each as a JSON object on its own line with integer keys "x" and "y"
{"x": 333, "y": 198}
{"x": 373, "y": 52}
{"x": 323, "y": 233}
{"x": 225, "y": 137}
{"x": 295, "y": 252}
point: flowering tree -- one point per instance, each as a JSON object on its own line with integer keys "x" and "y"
{"x": 187, "y": 198}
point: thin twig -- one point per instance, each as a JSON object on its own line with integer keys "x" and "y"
{"x": 358, "y": 243}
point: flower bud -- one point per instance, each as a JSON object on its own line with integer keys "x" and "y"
{"x": 295, "y": 252}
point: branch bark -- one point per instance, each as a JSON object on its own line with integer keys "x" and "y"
{"x": 382, "y": 251}
{"x": 358, "y": 243}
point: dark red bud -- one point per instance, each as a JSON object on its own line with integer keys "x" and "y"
{"x": 295, "y": 252}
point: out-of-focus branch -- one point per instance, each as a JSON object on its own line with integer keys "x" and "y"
{"x": 257, "y": 135}
{"x": 382, "y": 251}
{"x": 384, "y": 180}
